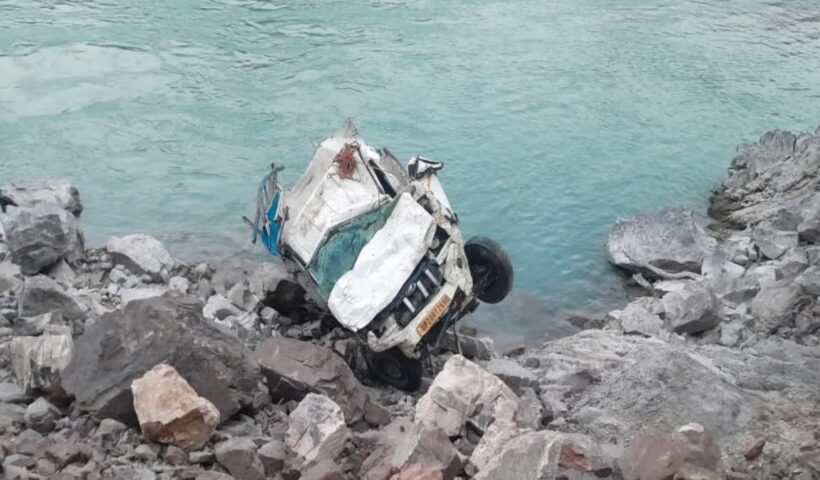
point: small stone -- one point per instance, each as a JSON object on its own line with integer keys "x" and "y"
{"x": 64, "y": 452}
{"x": 109, "y": 432}
{"x": 754, "y": 448}
{"x": 201, "y": 456}
{"x": 147, "y": 452}
{"x": 175, "y": 455}
{"x": 375, "y": 414}
{"x": 41, "y": 415}
{"x": 214, "y": 475}
{"x": 179, "y": 283}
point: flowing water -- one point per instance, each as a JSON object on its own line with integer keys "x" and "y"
{"x": 553, "y": 117}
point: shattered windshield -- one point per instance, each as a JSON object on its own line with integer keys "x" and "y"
{"x": 338, "y": 252}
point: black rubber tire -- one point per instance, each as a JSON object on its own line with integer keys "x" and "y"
{"x": 394, "y": 368}
{"x": 491, "y": 269}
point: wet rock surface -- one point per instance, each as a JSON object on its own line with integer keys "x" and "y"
{"x": 117, "y": 362}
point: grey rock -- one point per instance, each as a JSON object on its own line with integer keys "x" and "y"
{"x": 294, "y": 368}
{"x": 10, "y": 277}
{"x": 37, "y": 325}
{"x": 202, "y": 456}
{"x": 109, "y": 432}
{"x": 219, "y": 308}
{"x": 213, "y": 475}
{"x": 114, "y": 351}
{"x": 241, "y": 297}
{"x": 639, "y": 317}
{"x": 128, "y": 295}
{"x": 464, "y": 392}
{"x": 41, "y": 294}
{"x": 513, "y": 374}
{"x": 772, "y": 241}
{"x": 40, "y": 361}
{"x": 17, "y": 460}
{"x": 62, "y": 273}
{"x": 774, "y": 306}
{"x": 41, "y": 415}
{"x": 142, "y": 254}
{"x": 180, "y": 284}
{"x": 55, "y": 192}
{"x": 147, "y": 452}
{"x": 273, "y": 455}
{"x": 650, "y": 383}
{"x": 693, "y": 310}
{"x": 809, "y": 281}
{"x": 766, "y": 177}
{"x": 11, "y": 393}
{"x": 530, "y": 410}
{"x": 792, "y": 264}
{"x": 529, "y": 456}
{"x": 175, "y": 455}
{"x": 402, "y": 445}
{"x": 672, "y": 239}
{"x": 11, "y": 415}
{"x": 238, "y": 456}
{"x": 472, "y": 347}
{"x": 40, "y": 236}
{"x": 316, "y": 430}
{"x": 731, "y": 334}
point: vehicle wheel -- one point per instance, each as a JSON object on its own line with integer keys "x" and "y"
{"x": 491, "y": 269}
{"x": 394, "y": 368}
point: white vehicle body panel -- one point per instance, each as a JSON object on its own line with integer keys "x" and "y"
{"x": 383, "y": 265}
{"x": 321, "y": 199}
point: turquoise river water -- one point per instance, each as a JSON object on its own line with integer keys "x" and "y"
{"x": 554, "y": 118}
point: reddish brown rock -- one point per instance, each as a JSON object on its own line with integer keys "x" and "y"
{"x": 417, "y": 472}
{"x": 653, "y": 456}
{"x": 755, "y": 447}
{"x": 574, "y": 458}
{"x": 170, "y": 411}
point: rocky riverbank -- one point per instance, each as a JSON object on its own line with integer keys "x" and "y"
{"x": 123, "y": 362}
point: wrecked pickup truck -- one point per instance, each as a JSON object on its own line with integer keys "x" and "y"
{"x": 380, "y": 248}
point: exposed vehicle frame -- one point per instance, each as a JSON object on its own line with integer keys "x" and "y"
{"x": 381, "y": 249}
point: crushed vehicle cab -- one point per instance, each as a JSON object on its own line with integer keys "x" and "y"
{"x": 380, "y": 248}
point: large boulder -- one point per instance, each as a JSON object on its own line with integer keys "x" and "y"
{"x": 140, "y": 253}
{"x": 170, "y": 411}
{"x": 39, "y": 362}
{"x": 56, "y": 192}
{"x": 611, "y": 385}
{"x": 779, "y": 172}
{"x": 316, "y": 430}
{"x": 464, "y": 392}
{"x": 39, "y": 236}
{"x": 123, "y": 345}
{"x": 40, "y": 294}
{"x": 292, "y": 369}
{"x": 672, "y": 240}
